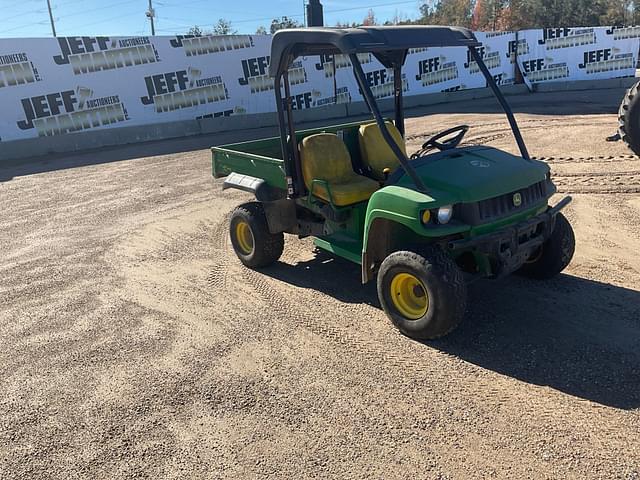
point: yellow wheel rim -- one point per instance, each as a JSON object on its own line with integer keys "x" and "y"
{"x": 409, "y": 296}
{"x": 244, "y": 236}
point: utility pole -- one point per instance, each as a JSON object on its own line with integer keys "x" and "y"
{"x": 304, "y": 11}
{"x": 53, "y": 26}
{"x": 151, "y": 13}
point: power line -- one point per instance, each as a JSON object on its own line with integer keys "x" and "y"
{"x": 23, "y": 13}
{"x": 106, "y": 20}
{"x": 171, "y": 19}
{"x": 184, "y": 4}
{"x": 96, "y": 9}
{"x": 31, "y": 24}
{"x": 388, "y": 4}
{"x": 64, "y": 4}
{"x": 13, "y": 4}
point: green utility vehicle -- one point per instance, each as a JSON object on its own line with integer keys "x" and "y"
{"x": 424, "y": 225}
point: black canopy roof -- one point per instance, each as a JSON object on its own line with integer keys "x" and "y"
{"x": 291, "y": 43}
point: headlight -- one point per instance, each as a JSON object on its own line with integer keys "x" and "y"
{"x": 444, "y": 214}
{"x": 425, "y": 217}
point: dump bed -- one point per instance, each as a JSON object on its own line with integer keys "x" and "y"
{"x": 263, "y": 158}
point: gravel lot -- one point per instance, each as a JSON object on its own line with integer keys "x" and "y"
{"x": 135, "y": 345}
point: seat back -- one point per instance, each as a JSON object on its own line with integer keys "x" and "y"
{"x": 375, "y": 152}
{"x": 325, "y": 157}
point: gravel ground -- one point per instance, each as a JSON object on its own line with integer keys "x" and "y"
{"x": 135, "y": 345}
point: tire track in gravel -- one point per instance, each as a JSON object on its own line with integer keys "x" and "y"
{"x": 288, "y": 310}
{"x": 391, "y": 348}
{"x": 502, "y": 128}
{"x": 220, "y": 243}
{"x": 441, "y": 371}
{"x": 499, "y": 133}
{"x": 598, "y": 182}
{"x": 625, "y": 182}
{"x": 594, "y": 159}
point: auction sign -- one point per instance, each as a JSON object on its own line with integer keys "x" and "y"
{"x": 64, "y": 85}
{"x": 581, "y": 53}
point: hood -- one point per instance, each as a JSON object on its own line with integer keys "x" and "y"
{"x": 473, "y": 173}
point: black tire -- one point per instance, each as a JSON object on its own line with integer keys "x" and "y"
{"x": 629, "y": 119}
{"x": 555, "y": 254}
{"x": 445, "y": 288}
{"x": 265, "y": 247}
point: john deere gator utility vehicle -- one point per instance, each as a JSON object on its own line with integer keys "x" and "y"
{"x": 422, "y": 225}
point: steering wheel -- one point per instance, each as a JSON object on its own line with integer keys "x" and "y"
{"x": 449, "y": 143}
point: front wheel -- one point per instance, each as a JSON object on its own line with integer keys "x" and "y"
{"x": 554, "y": 255}
{"x": 425, "y": 296}
{"x": 252, "y": 241}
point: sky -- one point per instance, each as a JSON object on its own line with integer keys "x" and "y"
{"x": 29, "y": 18}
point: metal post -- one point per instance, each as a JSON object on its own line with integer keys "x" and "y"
{"x": 397, "y": 95}
{"x": 151, "y": 14}
{"x": 315, "y": 16}
{"x": 53, "y": 26}
{"x": 286, "y": 157}
{"x": 298, "y": 183}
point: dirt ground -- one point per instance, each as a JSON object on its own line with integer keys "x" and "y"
{"x": 133, "y": 344}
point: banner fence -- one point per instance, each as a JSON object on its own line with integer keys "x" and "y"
{"x": 58, "y": 86}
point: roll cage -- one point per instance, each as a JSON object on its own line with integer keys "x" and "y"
{"x": 390, "y": 46}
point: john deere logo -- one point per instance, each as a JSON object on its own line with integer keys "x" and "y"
{"x": 517, "y": 199}
{"x": 480, "y": 164}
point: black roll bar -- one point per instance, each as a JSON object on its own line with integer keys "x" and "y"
{"x": 503, "y": 103}
{"x": 373, "y": 107}
{"x": 283, "y": 135}
{"x": 397, "y": 95}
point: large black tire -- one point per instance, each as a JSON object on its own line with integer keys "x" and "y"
{"x": 555, "y": 254}
{"x": 440, "y": 280}
{"x": 252, "y": 241}
{"x": 629, "y": 119}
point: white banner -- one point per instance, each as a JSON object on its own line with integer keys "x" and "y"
{"x": 58, "y": 86}
{"x": 594, "y": 53}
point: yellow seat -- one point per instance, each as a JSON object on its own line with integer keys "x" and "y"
{"x": 375, "y": 152}
{"x": 326, "y": 163}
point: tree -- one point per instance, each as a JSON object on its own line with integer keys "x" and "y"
{"x": 261, "y": 30}
{"x": 223, "y": 27}
{"x": 369, "y": 19}
{"x": 490, "y": 15}
{"x": 398, "y": 18}
{"x": 447, "y": 12}
{"x": 341, "y": 24}
{"x": 283, "y": 22}
{"x": 195, "y": 30}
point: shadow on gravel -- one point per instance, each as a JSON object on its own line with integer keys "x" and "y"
{"x": 330, "y": 275}
{"x": 575, "y": 335}
{"x": 572, "y": 334}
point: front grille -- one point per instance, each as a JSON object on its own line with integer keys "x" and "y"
{"x": 495, "y": 208}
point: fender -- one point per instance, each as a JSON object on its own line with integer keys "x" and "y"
{"x": 395, "y": 212}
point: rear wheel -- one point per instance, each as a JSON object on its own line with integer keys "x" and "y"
{"x": 554, "y": 255}
{"x": 629, "y": 119}
{"x": 252, "y": 241}
{"x": 424, "y": 295}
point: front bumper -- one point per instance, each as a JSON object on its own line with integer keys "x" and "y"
{"x": 509, "y": 248}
